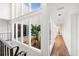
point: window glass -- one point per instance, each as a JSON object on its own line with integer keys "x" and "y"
{"x": 35, "y": 6}
{"x": 25, "y": 34}
{"x": 19, "y": 32}
{"x": 14, "y": 31}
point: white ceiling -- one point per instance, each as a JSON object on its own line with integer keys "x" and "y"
{"x": 65, "y": 9}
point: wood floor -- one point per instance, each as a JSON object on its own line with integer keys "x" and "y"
{"x": 59, "y": 48}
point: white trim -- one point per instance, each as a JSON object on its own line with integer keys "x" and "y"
{"x": 29, "y": 32}
{"x": 45, "y": 31}
{"x": 28, "y": 14}
{"x": 22, "y": 32}
{"x": 16, "y": 31}
{"x": 12, "y": 30}
{"x": 30, "y": 7}
{"x": 74, "y": 33}
{"x": 35, "y": 49}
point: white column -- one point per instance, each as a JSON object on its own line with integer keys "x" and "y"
{"x": 18, "y": 9}
{"x": 45, "y": 30}
{"x": 29, "y": 32}
{"x": 30, "y": 9}
{"x": 77, "y": 34}
{"x": 25, "y": 8}
{"x": 17, "y": 31}
{"x": 12, "y": 28}
{"x": 74, "y": 35}
{"x": 22, "y": 32}
{"x": 13, "y": 10}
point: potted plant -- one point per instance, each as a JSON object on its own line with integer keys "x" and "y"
{"x": 35, "y": 30}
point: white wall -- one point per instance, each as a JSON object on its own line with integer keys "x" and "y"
{"x": 36, "y": 19}
{"x": 5, "y": 10}
{"x": 3, "y": 26}
{"x": 75, "y": 33}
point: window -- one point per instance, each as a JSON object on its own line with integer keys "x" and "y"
{"x": 35, "y": 36}
{"x": 25, "y": 34}
{"x": 28, "y": 31}
{"x": 35, "y": 6}
{"x": 19, "y": 32}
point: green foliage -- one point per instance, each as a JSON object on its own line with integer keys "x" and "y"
{"x": 35, "y": 30}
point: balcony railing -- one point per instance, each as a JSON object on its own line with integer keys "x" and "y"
{"x": 7, "y": 48}
{"x": 6, "y": 36}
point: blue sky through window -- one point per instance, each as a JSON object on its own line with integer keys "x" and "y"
{"x": 35, "y": 6}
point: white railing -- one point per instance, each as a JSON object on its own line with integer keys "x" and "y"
{"x": 5, "y": 36}
{"x": 7, "y": 46}
{"x": 4, "y": 50}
